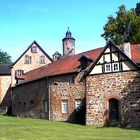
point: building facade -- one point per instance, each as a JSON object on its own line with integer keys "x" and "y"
{"x": 97, "y": 87}
{"x": 33, "y": 57}
{"x": 103, "y": 82}
{"x": 113, "y": 89}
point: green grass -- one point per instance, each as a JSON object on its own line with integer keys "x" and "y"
{"x": 12, "y": 128}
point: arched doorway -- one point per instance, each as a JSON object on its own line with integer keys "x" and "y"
{"x": 113, "y": 110}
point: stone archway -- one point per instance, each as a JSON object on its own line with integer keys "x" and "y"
{"x": 113, "y": 106}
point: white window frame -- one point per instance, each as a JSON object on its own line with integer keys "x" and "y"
{"x": 78, "y": 104}
{"x": 19, "y": 72}
{"x": 113, "y": 66}
{"x": 42, "y": 59}
{"x": 106, "y": 70}
{"x": 27, "y": 59}
{"x": 64, "y": 106}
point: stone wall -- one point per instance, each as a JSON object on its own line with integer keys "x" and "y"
{"x": 58, "y": 87}
{"x": 123, "y": 86}
{"x": 29, "y": 99}
{"x": 61, "y": 89}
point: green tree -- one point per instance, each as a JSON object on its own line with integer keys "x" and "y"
{"x": 5, "y": 58}
{"x": 125, "y": 27}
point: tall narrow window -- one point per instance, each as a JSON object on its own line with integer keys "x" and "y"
{"x": 115, "y": 66}
{"x": 64, "y": 106}
{"x": 78, "y": 104}
{"x": 71, "y": 79}
{"x": 46, "y": 106}
{"x": 42, "y": 59}
{"x": 34, "y": 49}
{"x": 19, "y": 72}
{"x": 27, "y": 59}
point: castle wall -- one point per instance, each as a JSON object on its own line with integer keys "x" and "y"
{"x": 123, "y": 86}
{"x": 60, "y": 90}
{"x": 29, "y": 99}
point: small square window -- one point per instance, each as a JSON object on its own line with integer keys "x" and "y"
{"x": 64, "y": 106}
{"x": 19, "y": 72}
{"x": 42, "y": 59}
{"x": 78, "y": 104}
{"x": 115, "y": 66}
{"x": 72, "y": 79}
{"x": 34, "y": 49}
{"x": 107, "y": 67}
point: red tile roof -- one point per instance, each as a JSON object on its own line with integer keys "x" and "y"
{"x": 62, "y": 66}
{"x": 71, "y": 64}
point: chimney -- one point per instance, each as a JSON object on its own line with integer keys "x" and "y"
{"x": 127, "y": 49}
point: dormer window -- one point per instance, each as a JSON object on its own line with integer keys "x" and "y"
{"x": 34, "y": 49}
{"x": 84, "y": 62}
{"x": 27, "y": 59}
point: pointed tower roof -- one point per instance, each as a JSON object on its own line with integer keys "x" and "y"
{"x": 68, "y": 35}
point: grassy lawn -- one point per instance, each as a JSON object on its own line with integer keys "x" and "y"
{"x": 12, "y": 128}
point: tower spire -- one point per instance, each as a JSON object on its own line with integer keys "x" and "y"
{"x": 68, "y": 44}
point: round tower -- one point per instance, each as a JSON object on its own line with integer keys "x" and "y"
{"x": 68, "y": 44}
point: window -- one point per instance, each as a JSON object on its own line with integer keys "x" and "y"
{"x": 27, "y": 59}
{"x": 34, "y": 49}
{"x": 64, "y": 106}
{"x": 19, "y": 72}
{"x": 46, "y": 106}
{"x": 107, "y": 67}
{"x": 31, "y": 101}
{"x": 72, "y": 79}
{"x": 78, "y": 104}
{"x": 19, "y": 103}
{"x": 42, "y": 59}
{"x": 115, "y": 66}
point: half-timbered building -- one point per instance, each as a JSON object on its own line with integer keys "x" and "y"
{"x": 103, "y": 83}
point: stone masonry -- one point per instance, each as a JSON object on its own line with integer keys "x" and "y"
{"x": 60, "y": 90}
{"x": 123, "y": 86}
{"x": 28, "y": 99}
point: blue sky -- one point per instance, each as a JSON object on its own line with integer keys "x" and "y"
{"x": 46, "y": 21}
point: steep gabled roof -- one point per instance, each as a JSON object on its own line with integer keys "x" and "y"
{"x": 5, "y": 69}
{"x": 71, "y": 64}
{"x": 34, "y": 42}
{"x": 119, "y": 50}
